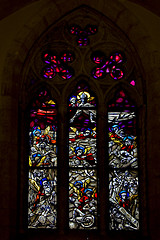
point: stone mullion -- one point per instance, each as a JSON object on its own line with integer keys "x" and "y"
{"x": 102, "y": 167}
{"x": 62, "y": 170}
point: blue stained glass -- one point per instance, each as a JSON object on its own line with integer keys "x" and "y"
{"x": 82, "y": 159}
{"x": 82, "y": 147}
{"x": 42, "y": 198}
{"x": 123, "y": 163}
{"x": 124, "y": 201}
{"x": 43, "y": 132}
{"x": 42, "y": 180}
{"x": 122, "y": 145}
{"x": 82, "y": 199}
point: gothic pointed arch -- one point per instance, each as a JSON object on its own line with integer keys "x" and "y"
{"x": 42, "y": 163}
{"x": 84, "y": 60}
{"x": 123, "y": 161}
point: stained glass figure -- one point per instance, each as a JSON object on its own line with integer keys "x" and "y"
{"x": 58, "y": 65}
{"x": 122, "y": 145}
{"x": 123, "y": 164}
{"x": 82, "y": 130}
{"x": 82, "y": 159}
{"x": 82, "y": 147}
{"x": 43, "y": 132}
{"x": 83, "y": 199}
{"x": 124, "y": 203}
{"x": 82, "y": 35}
{"x": 82, "y": 97}
{"x": 111, "y": 65}
{"x": 42, "y": 198}
{"x": 42, "y": 193}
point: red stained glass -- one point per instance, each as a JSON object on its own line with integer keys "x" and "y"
{"x": 116, "y": 73}
{"x": 122, "y": 100}
{"x": 119, "y": 100}
{"x": 82, "y": 35}
{"x": 67, "y": 57}
{"x": 32, "y": 124}
{"x": 123, "y": 164}
{"x": 82, "y": 159}
{"x": 58, "y": 64}
{"x": 122, "y": 94}
{"x": 49, "y": 72}
{"x": 112, "y": 66}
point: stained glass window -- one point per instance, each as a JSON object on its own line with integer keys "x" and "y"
{"x": 42, "y": 175}
{"x": 122, "y": 158}
{"x": 82, "y": 159}
{"x": 58, "y": 65}
{"x": 123, "y": 164}
{"x": 83, "y": 34}
{"x": 112, "y": 65}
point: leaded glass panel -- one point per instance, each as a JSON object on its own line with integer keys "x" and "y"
{"x": 42, "y": 198}
{"x": 82, "y": 154}
{"x": 42, "y": 184}
{"x": 123, "y": 164}
{"x": 83, "y": 199}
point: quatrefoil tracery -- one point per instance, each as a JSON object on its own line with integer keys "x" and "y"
{"x": 111, "y": 65}
{"x": 58, "y": 65}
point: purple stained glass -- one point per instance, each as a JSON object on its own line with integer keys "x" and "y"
{"x": 116, "y": 73}
{"x": 117, "y": 57}
{"x": 98, "y": 57}
{"x": 47, "y": 58}
{"x": 75, "y": 29}
{"x": 123, "y": 164}
{"x": 83, "y": 41}
{"x": 111, "y": 66}
{"x": 66, "y": 73}
{"x": 121, "y": 100}
{"x": 67, "y": 57}
{"x": 82, "y": 34}
{"x": 98, "y": 73}
{"x": 58, "y": 65}
{"x": 49, "y": 72}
